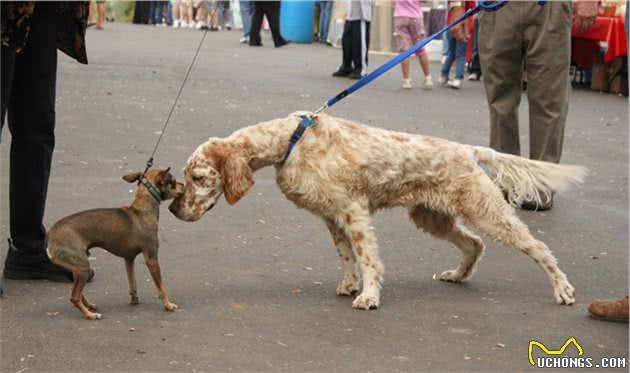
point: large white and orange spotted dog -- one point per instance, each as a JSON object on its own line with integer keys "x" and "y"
{"x": 344, "y": 171}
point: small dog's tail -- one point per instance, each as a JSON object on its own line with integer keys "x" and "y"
{"x": 525, "y": 179}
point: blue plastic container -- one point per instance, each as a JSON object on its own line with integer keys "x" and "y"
{"x": 296, "y": 20}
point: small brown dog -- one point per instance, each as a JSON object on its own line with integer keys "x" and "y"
{"x": 125, "y": 232}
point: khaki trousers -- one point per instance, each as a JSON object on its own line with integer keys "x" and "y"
{"x": 539, "y": 38}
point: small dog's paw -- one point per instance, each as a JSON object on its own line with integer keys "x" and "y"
{"x": 365, "y": 302}
{"x": 564, "y": 293}
{"x": 347, "y": 289}
{"x": 93, "y": 316}
{"x": 134, "y": 300}
{"x": 170, "y": 307}
{"x": 451, "y": 276}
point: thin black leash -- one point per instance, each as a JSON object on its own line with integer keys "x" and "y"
{"x": 150, "y": 161}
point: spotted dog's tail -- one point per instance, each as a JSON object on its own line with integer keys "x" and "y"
{"x": 525, "y": 179}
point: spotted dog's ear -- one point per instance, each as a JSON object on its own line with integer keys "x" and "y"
{"x": 132, "y": 177}
{"x": 237, "y": 178}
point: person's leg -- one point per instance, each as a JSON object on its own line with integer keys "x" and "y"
{"x": 91, "y": 17}
{"x": 177, "y": 17}
{"x": 272, "y": 11}
{"x": 31, "y": 118}
{"x": 160, "y": 13}
{"x": 169, "y": 13}
{"x": 547, "y": 64}
{"x": 475, "y": 68}
{"x": 401, "y": 30}
{"x": 360, "y": 45}
{"x": 227, "y": 14}
{"x": 460, "y": 59}
{"x": 424, "y": 64}
{"x": 152, "y": 11}
{"x": 101, "y": 13}
{"x": 8, "y": 68}
{"x": 325, "y": 7}
{"x": 418, "y": 34}
{"x": 366, "y": 46}
{"x": 501, "y": 52}
{"x": 254, "y": 32}
{"x": 450, "y": 56}
{"x": 245, "y": 16}
{"x": 346, "y": 48}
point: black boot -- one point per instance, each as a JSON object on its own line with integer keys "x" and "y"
{"x": 20, "y": 265}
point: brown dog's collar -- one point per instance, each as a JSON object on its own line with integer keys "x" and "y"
{"x": 154, "y": 192}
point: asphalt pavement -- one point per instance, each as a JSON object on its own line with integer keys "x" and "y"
{"x": 255, "y": 282}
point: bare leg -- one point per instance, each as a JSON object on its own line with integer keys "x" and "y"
{"x": 101, "y": 14}
{"x": 445, "y": 227}
{"x": 356, "y": 222}
{"x": 176, "y": 13}
{"x": 350, "y": 282}
{"x": 91, "y": 20}
{"x": 424, "y": 63}
{"x": 131, "y": 276}
{"x": 405, "y": 68}
{"x": 154, "y": 268}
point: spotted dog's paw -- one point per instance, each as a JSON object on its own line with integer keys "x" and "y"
{"x": 365, "y": 302}
{"x": 564, "y": 293}
{"x": 451, "y": 276}
{"x": 347, "y": 288}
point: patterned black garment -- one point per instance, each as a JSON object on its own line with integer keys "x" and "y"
{"x": 71, "y": 26}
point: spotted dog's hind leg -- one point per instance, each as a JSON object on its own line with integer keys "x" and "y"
{"x": 443, "y": 226}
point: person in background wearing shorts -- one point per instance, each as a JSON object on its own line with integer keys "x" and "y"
{"x": 409, "y": 30}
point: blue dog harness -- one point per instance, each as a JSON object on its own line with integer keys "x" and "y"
{"x": 306, "y": 122}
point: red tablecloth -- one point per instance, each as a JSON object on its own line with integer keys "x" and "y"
{"x": 608, "y": 29}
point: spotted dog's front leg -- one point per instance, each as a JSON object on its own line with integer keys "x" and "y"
{"x": 356, "y": 223}
{"x": 350, "y": 283}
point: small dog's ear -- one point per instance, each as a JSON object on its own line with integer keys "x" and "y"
{"x": 133, "y": 177}
{"x": 237, "y": 179}
{"x": 167, "y": 170}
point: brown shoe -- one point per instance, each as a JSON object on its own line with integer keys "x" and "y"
{"x": 610, "y": 309}
{"x": 547, "y": 203}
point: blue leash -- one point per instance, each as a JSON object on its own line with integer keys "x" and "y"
{"x": 309, "y": 121}
{"x": 481, "y": 5}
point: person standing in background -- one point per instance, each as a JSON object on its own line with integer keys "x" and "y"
{"x": 156, "y": 13}
{"x": 409, "y": 30}
{"x": 325, "y": 10}
{"x": 271, "y": 9}
{"x": 247, "y": 10}
{"x": 457, "y": 40}
{"x": 356, "y": 39}
{"x": 537, "y": 37}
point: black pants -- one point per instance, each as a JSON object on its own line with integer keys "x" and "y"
{"x": 475, "y": 66}
{"x": 355, "y": 43}
{"x": 271, "y": 9}
{"x": 28, "y": 94}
